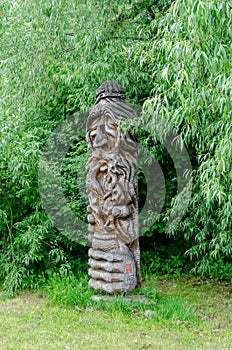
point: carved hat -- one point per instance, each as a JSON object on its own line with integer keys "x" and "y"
{"x": 110, "y": 88}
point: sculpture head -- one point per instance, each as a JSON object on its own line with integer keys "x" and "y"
{"x": 105, "y": 116}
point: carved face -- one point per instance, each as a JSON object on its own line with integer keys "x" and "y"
{"x": 102, "y": 132}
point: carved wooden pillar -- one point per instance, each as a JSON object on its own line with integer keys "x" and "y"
{"x": 114, "y": 256}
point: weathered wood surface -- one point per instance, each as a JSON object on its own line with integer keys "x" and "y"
{"x": 114, "y": 256}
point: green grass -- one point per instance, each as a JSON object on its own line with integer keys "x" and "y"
{"x": 74, "y": 292}
{"x": 188, "y": 314}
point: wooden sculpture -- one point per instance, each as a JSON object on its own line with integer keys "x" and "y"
{"x": 114, "y": 256}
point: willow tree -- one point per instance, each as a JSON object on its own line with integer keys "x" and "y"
{"x": 191, "y": 59}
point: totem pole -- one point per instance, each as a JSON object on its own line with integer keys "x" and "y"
{"x": 114, "y": 256}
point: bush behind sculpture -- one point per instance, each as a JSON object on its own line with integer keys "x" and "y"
{"x": 172, "y": 57}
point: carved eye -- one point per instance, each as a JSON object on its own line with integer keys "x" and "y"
{"x": 111, "y": 129}
{"x": 93, "y": 133}
{"x": 111, "y": 126}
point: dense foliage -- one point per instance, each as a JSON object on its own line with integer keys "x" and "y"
{"x": 173, "y": 58}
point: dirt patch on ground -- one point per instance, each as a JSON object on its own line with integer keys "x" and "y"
{"x": 22, "y": 302}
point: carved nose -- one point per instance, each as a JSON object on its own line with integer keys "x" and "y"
{"x": 100, "y": 139}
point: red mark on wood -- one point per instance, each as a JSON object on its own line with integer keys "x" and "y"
{"x": 128, "y": 268}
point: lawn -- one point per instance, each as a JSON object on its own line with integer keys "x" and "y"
{"x": 33, "y": 321}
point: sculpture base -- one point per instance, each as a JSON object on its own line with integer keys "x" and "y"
{"x": 112, "y": 272}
